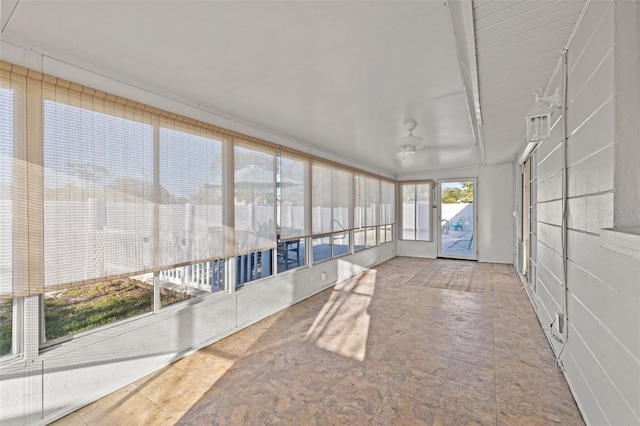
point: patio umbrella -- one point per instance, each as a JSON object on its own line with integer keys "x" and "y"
{"x": 256, "y": 178}
{"x": 250, "y": 177}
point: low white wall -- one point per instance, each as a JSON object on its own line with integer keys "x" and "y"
{"x": 494, "y": 204}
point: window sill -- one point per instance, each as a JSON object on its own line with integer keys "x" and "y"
{"x": 624, "y": 240}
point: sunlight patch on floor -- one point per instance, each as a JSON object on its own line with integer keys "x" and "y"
{"x": 342, "y": 326}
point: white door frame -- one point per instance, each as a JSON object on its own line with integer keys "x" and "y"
{"x": 474, "y": 246}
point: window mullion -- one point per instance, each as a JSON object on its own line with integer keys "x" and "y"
{"x": 415, "y": 214}
{"x": 156, "y": 217}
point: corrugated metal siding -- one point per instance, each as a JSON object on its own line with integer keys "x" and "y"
{"x": 602, "y": 355}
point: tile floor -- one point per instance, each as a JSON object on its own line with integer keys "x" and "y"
{"x": 411, "y": 341}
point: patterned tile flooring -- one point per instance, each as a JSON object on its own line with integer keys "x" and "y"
{"x": 411, "y": 341}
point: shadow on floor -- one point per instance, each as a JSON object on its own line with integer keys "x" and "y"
{"x": 414, "y": 341}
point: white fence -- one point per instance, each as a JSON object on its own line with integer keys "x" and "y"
{"x": 207, "y": 276}
{"x": 86, "y": 240}
{"x": 409, "y": 222}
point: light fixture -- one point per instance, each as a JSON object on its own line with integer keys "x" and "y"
{"x": 409, "y": 144}
{"x": 539, "y": 116}
{"x": 526, "y": 153}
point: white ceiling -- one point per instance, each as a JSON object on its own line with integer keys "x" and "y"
{"x": 518, "y": 45}
{"x": 341, "y": 76}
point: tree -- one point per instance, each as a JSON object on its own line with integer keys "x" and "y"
{"x": 451, "y": 195}
{"x": 468, "y": 191}
{"x": 458, "y": 195}
{"x": 135, "y": 190}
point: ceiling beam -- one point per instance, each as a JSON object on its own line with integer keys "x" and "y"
{"x": 461, "y": 14}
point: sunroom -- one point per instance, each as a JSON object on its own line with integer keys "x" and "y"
{"x": 173, "y": 173}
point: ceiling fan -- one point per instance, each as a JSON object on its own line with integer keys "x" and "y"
{"x": 410, "y": 144}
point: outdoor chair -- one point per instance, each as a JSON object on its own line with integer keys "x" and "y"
{"x": 286, "y": 250}
{"x": 459, "y": 225}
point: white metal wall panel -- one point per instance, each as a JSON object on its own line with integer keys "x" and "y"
{"x": 602, "y": 354}
{"x": 590, "y": 214}
{"x": 605, "y": 305}
{"x": 550, "y": 236}
{"x": 550, "y": 212}
{"x": 597, "y": 91}
{"x": 594, "y": 174}
{"x": 589, "y": 348}
{"x": 588, "y": 403}
{"x": 599, "y": 20}
{"x": 591, "y": 136}
{"x": 550, "y": 189}
{"x": 620, "y": 272}
{"x": 552, "y": 285}
{"x": 551, "y": 260}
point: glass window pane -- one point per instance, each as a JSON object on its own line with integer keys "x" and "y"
{"x": 293, "y": 196}
{"x": 423, "y": 209}
{"x": 342, "y": 198}
{"x": 359, "y": 201}
{"x": 321, "y": 214}
{"x": 6, "y": 192}
{"x": 341, "y": 243}
{"x": 98, "y": 194}
{"x": 255, "y": 197}
{"x": 71, "y": 311}
{"x": 359, "y": 239}
{"x": 371, "y": 240}
{"x": 253, "y": 266}
{"x": 408, "y": 211}
{"x": 416, "y": 211}
{"x": 190, "y": 207}
{"x": 291, "y": 254}
{"x": 387, "y": 202}
{"x": 6, "y": 326}
{"x": 372, "y": 201}
{"x": 187, "y": 282}
{"x": 321, "y": 248}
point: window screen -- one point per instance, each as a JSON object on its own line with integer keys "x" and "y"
{"x": 294, "y": 196}
{"x": 190, "y": 195}
{"x": 387, "y": 202}
{"x": 6, "y": 188}
{"x": 255, "y": 196}
{"x": 98, "y": 189}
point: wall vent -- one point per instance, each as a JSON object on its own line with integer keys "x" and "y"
{"x": 539, "y": 116}
{"x": 538, "y": 127}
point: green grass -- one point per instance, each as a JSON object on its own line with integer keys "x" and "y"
{"x": 6, "y": 309}
{"x": 83, "y": 308}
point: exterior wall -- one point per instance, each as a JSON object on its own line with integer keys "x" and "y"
{"x": 601, "y": 356}
{"x": 494, "y": 204}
